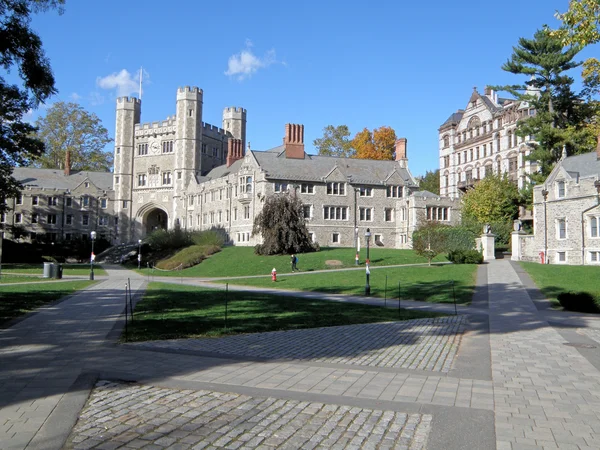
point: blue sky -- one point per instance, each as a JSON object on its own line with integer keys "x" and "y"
{"x": 407, "y": 65}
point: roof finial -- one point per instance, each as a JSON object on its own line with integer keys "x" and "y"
{"x": 564, "y": 152}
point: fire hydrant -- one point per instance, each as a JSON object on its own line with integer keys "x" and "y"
{"x": 542, "y": 257}
{"x": 274, "y": 274}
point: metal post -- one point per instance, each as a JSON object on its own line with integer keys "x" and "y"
{"x": 93, "y": 238}
{"x": 126, "y": 311}
{"x": 454, "y": 297}
{"x": 399, "y": 299}
{"x": 139, "y": 253}
{"x": 385, "y": 293}
{"x": 368, "y": 272}
{"x": 130, "y": 299}
{"x": 226, "y": 291}
{"x": 545, "y": 194}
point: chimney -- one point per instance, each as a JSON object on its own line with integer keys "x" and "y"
{"x": 401, "y": 152}
{"x": 488, "y": 91}
{"x": 294, "y": 141}
{"x": 68, "y": 163}
{"x": 235, "y": 150}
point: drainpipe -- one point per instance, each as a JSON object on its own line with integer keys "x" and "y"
{"x": 545, "y": 194}
{"x": 597, "y": 186}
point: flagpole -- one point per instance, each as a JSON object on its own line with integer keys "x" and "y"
{"x": 141, "y": 72}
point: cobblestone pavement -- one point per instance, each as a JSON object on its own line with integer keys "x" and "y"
{"x": 132, "y": 416}
{"x": 424, "y": 344}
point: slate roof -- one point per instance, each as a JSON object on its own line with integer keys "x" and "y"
{"x": 583, "y": 165}
{"x": 424, "y": 194}
{"x": 454, "y": 118}
{"x": 56, "y": 179}
{"x": 317, "y": 168}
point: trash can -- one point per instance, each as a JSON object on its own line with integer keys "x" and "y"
{"x": 47, "y": 270}
{"x": 59, "y": 271}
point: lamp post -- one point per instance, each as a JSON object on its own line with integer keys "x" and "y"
{"x": 139, "y": 253}
{"x": 545, "y": 195}
{"x": 368, "y": 272}
{"x": 92, "y": 256}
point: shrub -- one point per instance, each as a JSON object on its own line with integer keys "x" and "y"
{"x": 465, "y": 257}
{"x": 459, "y": 238}
{"x": 174, "y": 239}
{"x": 578, "y": 301}
{"x": 188, "y": 257}
{"x": 215, "y": 237}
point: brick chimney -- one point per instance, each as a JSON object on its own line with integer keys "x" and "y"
{"x": 235, "y": 150}
{"x": 294, "y": 141}
{"x": 67, "y": 163}
{"x": 401, "y": 152}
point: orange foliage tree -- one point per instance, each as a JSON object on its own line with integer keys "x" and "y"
{"x": 379, "y": 144}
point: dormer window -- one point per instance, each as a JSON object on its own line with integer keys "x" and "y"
{"x": 560, "y": 189}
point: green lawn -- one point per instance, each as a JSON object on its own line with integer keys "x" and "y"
{"x": 170, "y": 311}
{"x": 9, "y": 278}
{"x": 416, "y": 283}
{"x": 553, "y": 279}
{"x": 38, "y": 269}
{"x": 241, "y": 261}
{"x": 16, "y": 300}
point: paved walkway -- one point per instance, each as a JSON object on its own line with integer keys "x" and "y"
{"x": 496, "y": 376}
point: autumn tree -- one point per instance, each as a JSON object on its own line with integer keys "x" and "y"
{"x": 282, "y": 226}
{"x": 335, "y": 142}
{"x": 429, "y": 239}
{"x": 21, "y": 52}
{"x": 68, "y": 127}
{"x": 562, "y": 116}
{"x": 581, "y": 23}
{"x": 430, "y": 181}
{"x": 378, "y": 144}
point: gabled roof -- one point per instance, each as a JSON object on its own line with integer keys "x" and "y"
{"x": 424, "y": 194}
{"x": 584, "y": 165}
{"x": 56, "y": 179}
{"x": 454, "y": 118}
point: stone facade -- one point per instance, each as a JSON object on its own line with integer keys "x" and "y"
{"x": 481, "y": 140}
{"x": 566, "y": 213}
{"x": 184, "y": 172}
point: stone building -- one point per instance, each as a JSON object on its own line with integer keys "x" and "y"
{"x": 184, "y": 172}
{"x": 481, "y": 140}
{"x": 566, "y": 213}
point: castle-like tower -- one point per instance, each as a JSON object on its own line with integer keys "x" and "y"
{"x": 157, "y": 165}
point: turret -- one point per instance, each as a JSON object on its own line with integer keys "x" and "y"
{"x": 188, "y": 143}
{"x": 234, "y": 123}
{"x": 129, "y": 111}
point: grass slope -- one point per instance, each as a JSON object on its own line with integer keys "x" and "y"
{"x": 170, "y": 311}
{"x": 242, "y": 261}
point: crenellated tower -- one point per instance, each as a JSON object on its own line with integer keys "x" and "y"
{"x": 234, "y": 123}
{"x": 129, "y": 111}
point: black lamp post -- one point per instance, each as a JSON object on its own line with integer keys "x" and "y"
{"x": 368, "y": 272}
{"x": 545, "y": 195}
{"x": 92, "y": 256}
{"x": 139, "y": 253}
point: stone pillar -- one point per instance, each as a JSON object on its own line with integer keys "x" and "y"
{"x": 515, "y": 240}
{"x": 487, "y": 243}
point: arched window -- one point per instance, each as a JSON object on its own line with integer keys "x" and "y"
{"x": 446, "y": 141}
{"x": 509, "y": 138}
{"x": 498, "y": 143}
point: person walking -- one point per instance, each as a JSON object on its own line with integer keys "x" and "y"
{"x": 294, "y": 263}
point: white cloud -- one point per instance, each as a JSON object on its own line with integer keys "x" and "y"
{"x": 75, "y": 97}
{"x": 242, "y": 65}
{"x": 123, "y": 82}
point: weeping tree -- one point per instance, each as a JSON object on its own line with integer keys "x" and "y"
{"x": 282, "y": 226}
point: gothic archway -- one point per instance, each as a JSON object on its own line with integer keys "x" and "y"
{"x": 155, "y": 219}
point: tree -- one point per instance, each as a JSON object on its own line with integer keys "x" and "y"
{"x": 21, "y": 50}
{"x": 430, "y": 181}
{"x": 562, "y": 116}
{"x": 379, "y": 144}
{"x": 493, "y": 199}
{"x": 282, "y": 225}
{"x": 429, "y": 239}
{"x": 581, "y": 23}
{"x": 335, "y": 142}
{"x": 68, "y": 127}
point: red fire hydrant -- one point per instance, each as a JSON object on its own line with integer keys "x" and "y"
{"x": 542, "y": 257}
{"x": 274, "y": 274}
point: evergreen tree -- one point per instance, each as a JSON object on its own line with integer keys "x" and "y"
{"x": 562, "y": 116}
{"x": 282, "y": 225}
{"x": 430, "y": 181}
{"x": 21, "y": 51}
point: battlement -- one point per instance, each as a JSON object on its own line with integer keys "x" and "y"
{"x": 128, "y": 102}
{"x": 155, "y": 125}
{"x": 234, "y": 109}
{"x": 209, "y": 127}
{"x": 189, "y": 93}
